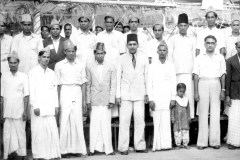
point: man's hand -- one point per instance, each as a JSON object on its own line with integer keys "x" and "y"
{"x": 152, "y": 105}
{"x": 118, "y": 101}
{"x": 84, "y": 107}
{"x": 110, "y": 106}
{"x": 89, "y": 107}
{"x": 196, "y": 97}
{"x": 228, "y": 101}
{"x": 24, "y": 116}
{"x": 146, "y": 99}
{"x": 37, "y": 112}
{"x": 172, "y": 104}
{"x": 222, "y": 95}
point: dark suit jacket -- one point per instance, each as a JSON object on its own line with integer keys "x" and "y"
{"x": 55, "y": 57}
{"x": 233, "y": 77}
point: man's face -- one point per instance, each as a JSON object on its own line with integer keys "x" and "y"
{"x": 109, "y": 24}
{"x": 84, "y": 23}
{"x": 133, "y": 23}
{"x": 210, "y": 45}
{"x": 99, "y": 56}
{"x": 119, "y": 28}
{"x": 68, "y": 30}
{"x": 55, "y": 30}
{"x": 98, "y": 30}
{"x": 44, "y": 32}
{"x": 70, "y": 54}
{"x": 44, "y": 59}
{"x": 238, "y": 47}
{"x": 27, "y": 27}
{"x": 162, "y": 52}
{"x": 158, "y": 31}
{"x": 2, "y": 27}
{"x": 211, "y": 19}
{"x": 13, "y": 64}
{"x": 235, "y": 26}
{"x": 132, "y": 47}
{"x": 125, "y": 30}
{"x": 183, "y": 27}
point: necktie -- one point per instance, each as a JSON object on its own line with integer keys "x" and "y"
{"x": 133, "y": 61}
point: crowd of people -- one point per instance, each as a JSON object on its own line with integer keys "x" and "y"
{"x": 52, "y": 80}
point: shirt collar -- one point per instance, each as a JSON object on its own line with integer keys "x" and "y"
{"x": 183, "y": 36}
{"x": 31, "y": 35}
{"x": 98, "y": 64}
{"x": 81, "y": 32}
{"x": 57, "y": 39}
{"x": 205, "y": 53}
{"x": 41, "y": 69}
{"x": 65, "y": 61}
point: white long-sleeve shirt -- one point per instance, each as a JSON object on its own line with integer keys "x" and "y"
{"x": 6, "y": 43}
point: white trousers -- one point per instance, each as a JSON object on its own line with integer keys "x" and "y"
{"x": 45, "y": 137}
{"x": 162, "y": 130}
{"x": 100, "y": 129}
{"x": 14, "y": 137}
{"x": 126, "y": 110}
{"x": 209, "y": 93}
{"x": 234, "y": 124}
{"x": 187, "y": 80}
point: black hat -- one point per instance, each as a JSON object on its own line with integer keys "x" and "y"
{"x": 132, "y": 37}
{"x": 183, "y": 18}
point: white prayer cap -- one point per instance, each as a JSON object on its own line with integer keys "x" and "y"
{"x": 54, "y": 22}
{"x": 235, "y": 17}
{"x": 13, "y": 54}
{"x": 68, "y": 44}
{"x": 26, "y": 18}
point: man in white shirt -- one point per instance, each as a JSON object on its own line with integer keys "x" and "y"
{"x": 182, "y": 54}
{"x": 162, "y": 92}
{"x": 209, "y": 89}
{"x": 101, "y": 93}
{"x": 27, "y": 45}
{"x": 71, "y": 89}
{"x": 131, "y": 94}
{"x": 211, "y": 29}
{"x": 67, "y": 30}
{"x": 44, "y": 108}
{"x": 5, "y": 43}
{"x": 15, "y": 96}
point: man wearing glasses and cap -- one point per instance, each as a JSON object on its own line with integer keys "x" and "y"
{"x": 27, "y": 44}
{"x": 5, "y": 43}
{"x": 15, "y": 96}
{"x": 132, "y": 73}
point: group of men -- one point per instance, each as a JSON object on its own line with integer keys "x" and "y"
{"x": 53, "y": 80}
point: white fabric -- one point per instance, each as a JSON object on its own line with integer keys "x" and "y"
{"x": 14, "y": 137}
{"x": 188, "y": 81}
{"x": 27, "y": 48}
{"x": 5, "y": 43}
{"x": 206, "y": 66}
{"x": 13, "y": 89}
{"x": 162, "y": 130}
{"x": 71, "y": 123}
{"x": 56, "y": 43}
{"x": 230, "y": 46}
{"x": 100, "y": 130}
{"x": 43, "y": 90}
{"x": 181, "y": 51}
{"x": 161, "y": 86}
{"x": 99, "y": 72}
{"x": 234, "y": 124}
{"x": 126, "y": 110}
{"x": 45, "y": 138}
{"x": 183, "y": 102}
{"x": 152, "y": 48}
{"x": 217, "y": 33}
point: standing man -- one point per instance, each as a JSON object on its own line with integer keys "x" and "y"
{"x": 233, "y": 99}
{"x": 211, "y": 29}
{"x": 55, "y": 43}
{"x": 85, "y": 40}
{"x": 45, "y": 32}
{"x": 209, "y": 89}
{"x": 44, "y": 108}
{"x": 72, "y": 78}
{"x": 114, "y": 46}
{"x": 27, "y": 45}
{"x": 101, "y": 93}
{"x": 15, "y": 96}
{"x": 182, "y": 54}
{"x": 67, "y": 30}
{"x": 131, "y": 94}
{"x": 5, "y": 43}
{"x": 162, "y": 92}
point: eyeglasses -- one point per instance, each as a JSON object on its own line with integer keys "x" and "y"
{"x": 210, "y": 43}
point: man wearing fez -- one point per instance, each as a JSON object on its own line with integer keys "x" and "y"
{"x": 5, "y": 43}
{"x": 101, "y": 93}
{"x": 15, "y": 96}
{"x": 233, "y": 98}
{"x": 182, "y": 54}
{"x": 55, "y": 43}
{"x": 131, "y": 94}
{"x": 71, "y": 89}
{"x": 44, "y": 108}
{"x": 27, "y": 45}
{"x": 209, "y": 89}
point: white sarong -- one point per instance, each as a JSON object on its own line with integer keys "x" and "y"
{"x": 100, "y": 129}
{"x": 45, "y": 137}
{"x": 14, "y": 137}
{"x": 71, "y": 122}
{"x": 234, "y": 124}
